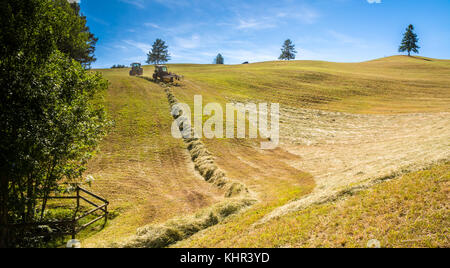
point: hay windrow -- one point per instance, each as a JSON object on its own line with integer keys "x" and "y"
{"x": 204, "y": 161}
{"x": 172, "y": 231}
{"x": 177, "y": 229}
{"x": 323, "y": 197}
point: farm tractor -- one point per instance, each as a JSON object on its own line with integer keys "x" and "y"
{"x": 164, "y": 75}
{"x": 136, "y": 69}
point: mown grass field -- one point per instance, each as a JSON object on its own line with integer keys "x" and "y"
{"x": 148, "y": 177}
{"x": 389, "y": 85}
{"x": 409, "y": 211}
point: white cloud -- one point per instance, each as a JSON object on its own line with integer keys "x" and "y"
{"x": 136, "y": 3}
{"x": 74, "y": 1}
{"x": 273, "y": 17}
{"x": 188, "y": 43}
{"x": 374, "y": 1}
{"x": 253, "y": 24}
{"x": 346, "y": 39}
{"x": 142, "y": 46}
{"x": 152, "y": 25}
{"x": 306, "y": 15}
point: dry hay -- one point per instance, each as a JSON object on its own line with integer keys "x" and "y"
{"x": 204, "y": 161}
{"x": 172, "y": 231}
{"x": 349, "y": 152}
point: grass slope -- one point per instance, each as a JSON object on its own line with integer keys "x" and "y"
{"x": 145, "y": 173}
{"x": 410, "y": 211}
{"x": 389, "y": 85}
{"x": 148, "y": 177}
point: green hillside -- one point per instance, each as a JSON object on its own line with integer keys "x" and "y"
{"x": 149, "y": 178}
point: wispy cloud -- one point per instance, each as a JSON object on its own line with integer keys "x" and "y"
{"x": 171, "y": 4}
{"x": 144, "y": 47}
{"x": 188, "y": 43}
{"x": 374, "y": 1}
{"x": 303, "y": 14}
{"x": 254, "y": 24}
{"x": 272, "y": 17}
{"x": 346, "y": 39}
{"x": 137, "y": 3}
{"x": 152, "y": 25}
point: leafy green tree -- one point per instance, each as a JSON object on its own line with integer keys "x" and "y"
{"x": 159, "y": 53}
{"x": 288, "y": 51}
{"x": 409, "y": 42}
{"x": 219, "y": 59}
{"x": 50, "y": 120}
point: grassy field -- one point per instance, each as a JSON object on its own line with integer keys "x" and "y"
{"x": 145, "y": 173}
{"x": 389, "y": 85}
{"x": 410, "y": 211}
{"x": 148, "y": 177}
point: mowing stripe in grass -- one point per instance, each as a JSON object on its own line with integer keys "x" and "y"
{"x": 204, "y": 161}
{"x": 177, "y": 229}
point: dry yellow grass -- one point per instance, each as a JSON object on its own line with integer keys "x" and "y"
{"x": 409, "y": 211}
{"x": 161, "y": 175}
{"x": 146, "y": 174}
{"x": 398, "y": 84}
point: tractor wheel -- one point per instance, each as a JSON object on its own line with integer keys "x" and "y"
{"x": 155, "y": 77}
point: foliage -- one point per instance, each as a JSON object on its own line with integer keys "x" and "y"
{"x": 288, "y": 51}
{"x": 219, "y": 59}
{"x": 49, "y": 123}
{"x": 159, "y": 53}
{"x": 118, "y": 66}
{"x": 409, "y": 42}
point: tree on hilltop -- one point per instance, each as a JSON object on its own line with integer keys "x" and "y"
{"x": 159, "y": 53}
{"x": 409, "y": 42}
{"x": 219, "y": 59}
{"x": 288, "y": 51}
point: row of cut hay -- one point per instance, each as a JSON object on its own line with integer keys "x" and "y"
{"x": 204, "y": 161}
{"x": 174, "y": 230}
{"x": 177, "y": 229}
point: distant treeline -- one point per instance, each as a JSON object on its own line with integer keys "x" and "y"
{"x": 118, "y": 66}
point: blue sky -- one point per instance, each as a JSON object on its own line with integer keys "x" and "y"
{"x": 332, "y": 30}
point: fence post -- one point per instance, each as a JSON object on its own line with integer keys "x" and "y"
{"x": 106, "y": 215}
{"x": 74, "y": 221}
{"x": 78, "y": 200}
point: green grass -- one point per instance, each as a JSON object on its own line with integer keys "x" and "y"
{"x": 409, "y": 211}
{"x": 141, "y": 169}
{"x": 148, "y": 177}
{"x": 389, "y": 85}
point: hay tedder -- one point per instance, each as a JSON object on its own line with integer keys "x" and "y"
{"x": 164, "y": 75}
{"x": 136, "y": 69}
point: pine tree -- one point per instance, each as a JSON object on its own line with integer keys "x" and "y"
{"x": 159, "y": 53}
{"x": 219, "y": 59}
{"x": 409, "y": 42}
{"x": 288, "y": 51}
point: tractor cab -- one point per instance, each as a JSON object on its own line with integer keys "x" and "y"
{"x": 162, "y": 73}
{"x": 136, "y": 69}
{"x": 161, "y": 69}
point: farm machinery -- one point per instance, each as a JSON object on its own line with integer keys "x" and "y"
{"x": 164, "y": 75}
{"x": 136, "y": 69}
